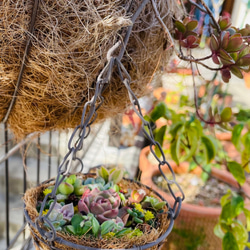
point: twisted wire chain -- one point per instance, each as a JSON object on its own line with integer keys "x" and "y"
{"x": 89, "y": 114}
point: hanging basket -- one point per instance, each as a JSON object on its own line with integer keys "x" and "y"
{"x": 151, "y": 238}
{"x": 64, "y": 52}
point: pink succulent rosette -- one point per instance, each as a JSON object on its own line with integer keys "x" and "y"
{"x": 103, "y": 204}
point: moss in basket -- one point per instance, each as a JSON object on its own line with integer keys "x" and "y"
{"x": 99, "y": 207}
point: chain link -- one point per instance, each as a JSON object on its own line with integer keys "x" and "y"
{"x": 89, "y": 114}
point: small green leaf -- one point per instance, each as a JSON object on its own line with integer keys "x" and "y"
{"x": 76, "y": 220}
{"x": 224, "y": 22}
{"x": 104, "y": 173}
{"x": 229, "y": 242}
{"x": 224, "y": 39}
{"x": 214, "y": 44}
{"x": 191, "y": 25}
{"x": 226, "y": 114}
{"x": 159, "y": 137}
{"x": 236, "y": 134}
{"x": 116, "y": 176}
{"x": 160, "y": 205}
{"x": 245, "y": 156}
{"x": 244, "y": 61}
{"x": 192, "y": 136}
{"x": 226, "y": 198}
{"x": 218, "y": 231}
{"x": 234, "y": 43}
{"x": 180, "y": 26}
{"x": 244, "y": 52}
{"x": 246, "y": 142}
{"x": 237, "y": 171}
{"x": 237, "y": 204}
{"x": 205, "y": 175}
{"x": 240, "y": 233}
{"x": 175, "y": 128}
{"x": 209, "y": 147}
{"x": 236, "y": 71}
{"x": 70, "y": 229}
{"x": 123, "y": 232}
{"x": 174, "y": 150}
{"x": 227, "y": 214}
{"x": 225, "y": 56}
{"x": 95, "y": 226}
{"x": 71, "y": 179}
{"x": 107, "y": 226}
{"x": 159, "y": 111}
{"x": 192, "y": 166}
{"x": 247, "y": 214}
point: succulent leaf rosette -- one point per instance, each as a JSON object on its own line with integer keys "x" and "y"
{"x": 103, "y": 204}
{"x": 101, "y": 207}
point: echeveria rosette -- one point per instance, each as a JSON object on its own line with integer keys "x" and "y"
{"x": 67, "y": 210}
{"x": 103, "y": 204}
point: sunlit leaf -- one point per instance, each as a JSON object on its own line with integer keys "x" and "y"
{"x": 247, "y": 214}
{"x": 240, "y": 233}
{"x": 174, "y": 150}
{"x": 193, "y": 143}
{"x": 236, "y": 134}
{"x": 237, "y": 204}
{"x": 229, "y": 242}
{"x": 159, "y": 137}
{"x": 180, "y": 26}
{"x": 226, "y": 114}
{"x": 245, "y": 160}
{"x": 209, "y": 147}
{"x": 191, "y": 25}
{"x": 218, "y": 231}
{"x": 237, "y": 171}
{"x": 159, "y": 111}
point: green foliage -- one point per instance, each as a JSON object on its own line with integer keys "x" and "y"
{"x": 237, "y": 171}
{"x": 233, "y": 233}
{"x": 154, "y": 203}
{"x": 114, "y": 175}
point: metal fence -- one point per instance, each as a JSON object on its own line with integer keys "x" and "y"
{"x": 27, "y": 163}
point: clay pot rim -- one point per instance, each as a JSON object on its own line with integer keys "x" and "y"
{"x": 148, "y": 170}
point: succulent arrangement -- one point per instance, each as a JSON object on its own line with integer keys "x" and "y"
{"x": 101, "y": 207}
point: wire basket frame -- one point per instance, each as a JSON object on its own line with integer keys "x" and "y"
{"x": 75, "y": 144}
{"x": 34, "y": 229}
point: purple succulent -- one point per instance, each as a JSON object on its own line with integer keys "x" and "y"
{"x": 103, "y": 204}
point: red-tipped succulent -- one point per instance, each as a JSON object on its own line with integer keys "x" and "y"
{"x": 184, "y": 32}
{"x": 103, "y": 204}
{"x": 229, "y": 49}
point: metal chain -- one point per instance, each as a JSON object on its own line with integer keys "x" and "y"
{"x": 89, "y": 115}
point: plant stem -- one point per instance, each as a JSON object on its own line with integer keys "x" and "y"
{"x": 196, "y": 103}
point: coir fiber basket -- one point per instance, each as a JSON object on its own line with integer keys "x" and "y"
{"x": 68, "y": 48}
{"x": 149, "y": 240}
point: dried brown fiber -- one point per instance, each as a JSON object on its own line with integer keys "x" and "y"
{"x": 68, "y": 50}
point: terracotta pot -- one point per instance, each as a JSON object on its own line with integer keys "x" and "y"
{"x": 193, "y": 229}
